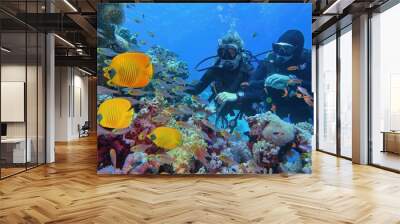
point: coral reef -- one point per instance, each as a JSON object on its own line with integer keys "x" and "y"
{"x": 111, "y": 142}
{"x": 266, "y": 154}
{"x": 279, "y": 145}
{"x": 167, "y": 64}
{"x": 239, "y": 151}
{"x": 271, "y": 128}
{"x": 111, "y": 14}
{"x": 193, "y": 146}
{"x": 274, "y": 146}
{"x": 111, "y": 17}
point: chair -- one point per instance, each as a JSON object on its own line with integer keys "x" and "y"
{"x": 84, "y": 130}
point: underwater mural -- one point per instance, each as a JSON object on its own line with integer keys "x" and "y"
{"x": 204, "y": 88}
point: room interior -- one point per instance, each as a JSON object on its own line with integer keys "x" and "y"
{"x": 22, "y": 104}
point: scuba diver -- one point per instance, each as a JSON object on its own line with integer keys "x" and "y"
{"x": 230, "y": 69}
{"x": 282, "y": 80}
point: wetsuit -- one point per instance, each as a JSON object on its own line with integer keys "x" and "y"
{"x": 288, "y": 106}
{"x": 222, "y": 80}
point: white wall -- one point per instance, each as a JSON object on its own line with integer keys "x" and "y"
{"x": 61, "y": 104}
{"x": 80, "y": 110}
{"x": 71, "y": 102}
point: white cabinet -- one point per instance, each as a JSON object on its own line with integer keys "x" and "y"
{"x": 17, "y": 146}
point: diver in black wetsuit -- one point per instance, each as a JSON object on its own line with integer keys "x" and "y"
{"x": 226, "y": 75}
{"x": 283, "y": 80}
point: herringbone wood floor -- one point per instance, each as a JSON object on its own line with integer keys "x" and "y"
{"x": 69, "y": 191}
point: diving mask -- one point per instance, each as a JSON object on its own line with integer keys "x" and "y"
{"x": 283, "y": 49}
{"x": 229, "y": 64}
{"x": 228, "y": 51}
{"x": 229, "y": 56}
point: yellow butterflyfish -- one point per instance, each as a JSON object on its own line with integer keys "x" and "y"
{"x": 166, "y": 137}
{"x": 131, "y": 69}
{"x": 116, "y": 113}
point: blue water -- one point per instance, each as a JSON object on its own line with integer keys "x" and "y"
{"x": 192, "y": 29}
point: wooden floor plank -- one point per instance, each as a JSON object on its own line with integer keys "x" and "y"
{"x": 70, "y": 191}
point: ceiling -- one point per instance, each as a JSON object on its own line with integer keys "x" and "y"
{"x": 76, "y": 24}
{"x": 76, "y": 21}
{"x": 331, "y": 15}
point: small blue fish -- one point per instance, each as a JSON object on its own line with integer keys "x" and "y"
{"x": 106, "y": 51}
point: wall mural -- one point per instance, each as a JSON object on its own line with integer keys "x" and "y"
{"x": 204, "y": 88}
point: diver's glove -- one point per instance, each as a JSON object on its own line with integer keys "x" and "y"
{"x": 277, "y": 81}
{"x": 226, "y": 97}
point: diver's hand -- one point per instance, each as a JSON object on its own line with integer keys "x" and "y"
{"x": 277, "y": 81}
{"x": 309, "y": 100}
{"x": 226, "y": 97}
